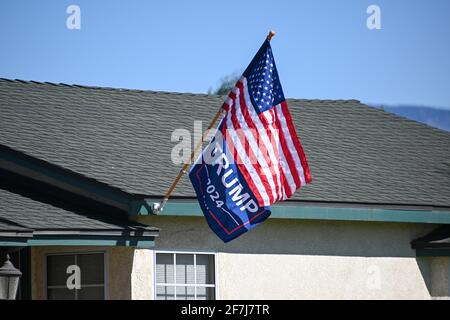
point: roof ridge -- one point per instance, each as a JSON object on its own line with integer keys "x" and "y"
{"x": 325, "y": 100}
{"x": 405, "y": 119}
{"x": 61, "y": 84}
{"x": 164, "y": 92}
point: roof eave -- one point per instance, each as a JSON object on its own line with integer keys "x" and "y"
{"x": 311, "y": 211}
{"x": 125, "y": 238}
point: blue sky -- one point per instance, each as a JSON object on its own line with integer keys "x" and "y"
{"x": 323, "y": 48}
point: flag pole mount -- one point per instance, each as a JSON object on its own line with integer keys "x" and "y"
{"x": 158, "y": 207}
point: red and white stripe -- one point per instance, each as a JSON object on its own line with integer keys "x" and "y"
{"x": 265, "y": 147}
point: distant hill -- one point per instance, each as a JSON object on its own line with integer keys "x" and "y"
{"x": 438, "y": 118}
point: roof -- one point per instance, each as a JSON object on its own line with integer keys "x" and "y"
{"x": 28, "y": 206}
{"x": 19, "y": 212}
{"x": 120, "y": 137}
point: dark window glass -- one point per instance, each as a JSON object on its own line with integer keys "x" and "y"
{"x": 92, "y": 268}
{"x": 60, "y": 294}
{"x": 91, "y": 293}
{"x": 56, "y": 269}
{"x": 92, "y": 276}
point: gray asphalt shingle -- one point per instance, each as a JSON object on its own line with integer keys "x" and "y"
{"x": 21, "y": 213}
{"x": 123, "y": 138}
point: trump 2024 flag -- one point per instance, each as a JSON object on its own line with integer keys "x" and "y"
{"x": 255, "y": 157}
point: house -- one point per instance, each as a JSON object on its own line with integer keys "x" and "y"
{"x": 80, "y": 168}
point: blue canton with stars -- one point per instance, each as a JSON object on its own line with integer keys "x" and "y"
{"x": 263, "y": 82}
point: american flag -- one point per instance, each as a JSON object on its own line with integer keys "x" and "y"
{"x": 259, "y": 131}
{"x": 255, "y": 157}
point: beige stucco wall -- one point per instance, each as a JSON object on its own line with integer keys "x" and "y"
{"x": 142, "y": 275}
{"x": 439, "y": 274}
{"x": 282, "y": 259}
{"x": 295, "y": 259}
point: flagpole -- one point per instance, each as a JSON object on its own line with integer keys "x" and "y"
{"x": 158, "y": 207}
{"x": 270, "y": 35}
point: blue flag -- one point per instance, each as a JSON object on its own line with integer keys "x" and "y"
{"x": 229, "y": 205}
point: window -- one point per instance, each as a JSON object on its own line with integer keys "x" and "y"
{"x": 92, "y": 276}
{"x": 184, "y": 276}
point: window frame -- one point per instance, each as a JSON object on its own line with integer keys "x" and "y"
{"x": 75, "y": 253}
{"x": 194, "y": 253}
